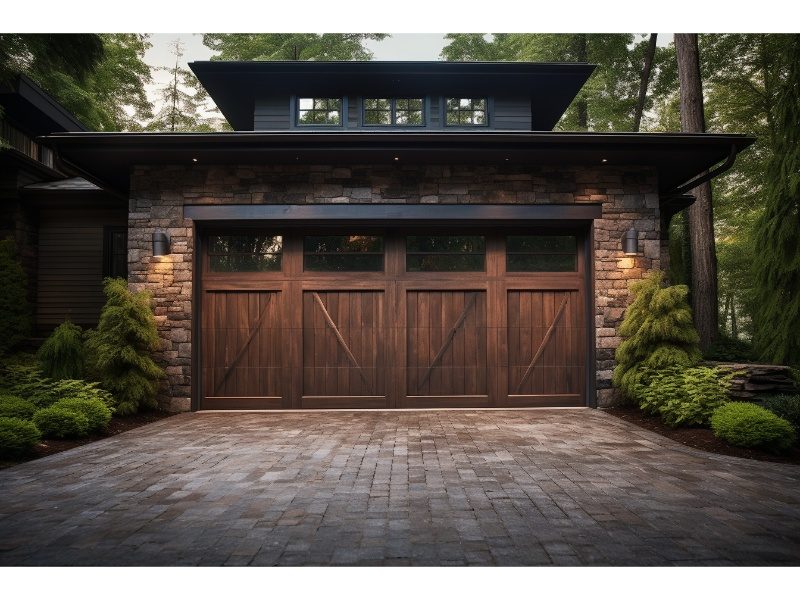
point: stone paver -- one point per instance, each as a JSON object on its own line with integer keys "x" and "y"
{"x": 568, "y": 487}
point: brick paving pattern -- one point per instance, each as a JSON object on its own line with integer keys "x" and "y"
{"x": 576, "y": 487}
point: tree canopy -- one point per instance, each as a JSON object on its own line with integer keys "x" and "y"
{"x": 290, "y": 46}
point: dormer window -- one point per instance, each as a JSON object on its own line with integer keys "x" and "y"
{"x": 466, "y": 112}
{"x": 319, "y": 111}
{"x": 388, "y": 112}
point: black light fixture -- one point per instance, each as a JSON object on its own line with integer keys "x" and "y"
{"x": 160, "y": 243}
{"x": 630, "y": 242}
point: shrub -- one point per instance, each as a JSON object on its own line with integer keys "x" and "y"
{"x": 120, "y": 348}
{"x": 29, "y": 382}
{"x": 62, "y": 355}
{"x": 658, "y": 332}
{"x": 785, "y": 406}
{"x": 97, "y": 413}
{"x": 14, "y": 406}
{"x": 17, "y": 437}
{"x": 15, "y": 312}
{"x": 60, "y": 422}
{"x": 752, "y": 426}
{"x": 728, "y": 349}
{"x": 685, "y": 396}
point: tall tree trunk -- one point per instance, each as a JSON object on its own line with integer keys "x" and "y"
{"x": 645, "y": 80}
{"x": 725, "y": 312}
{"x": 701, "y": 213}
{"x": 734, "y": 324}
{"x": 581, "y": 52}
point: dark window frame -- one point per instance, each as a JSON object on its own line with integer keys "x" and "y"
{"x": 409, "y": 253}
{"x": 543, "y": 253}
{"x": 393, "y": 112}
{"x": 381, "y": 253}
{"x": 446, "y": 111}
{"x": 209, "y": 254}
{"x": 343, "y": 111}
{"x": 108, "y": 250}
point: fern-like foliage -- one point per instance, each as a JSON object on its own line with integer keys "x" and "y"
{"x": 62, "y": 355}
{"x": 685, "y": 396}
{"x": 30, "y": 383}
{"x": 658, "y": 334}
{"x": 120, "y": 348}
{"x": 15, "y": 311}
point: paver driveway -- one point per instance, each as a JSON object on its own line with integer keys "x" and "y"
{"x": 422, "y": 487}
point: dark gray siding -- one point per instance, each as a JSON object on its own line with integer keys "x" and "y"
{"x": 70, "y": 274}
{"x": 272, "y": 113}
{"x": 511, "y": 113}
{"x": 353, "y": 112}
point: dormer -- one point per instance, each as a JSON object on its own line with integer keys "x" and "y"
{"x": 355, "y": 96}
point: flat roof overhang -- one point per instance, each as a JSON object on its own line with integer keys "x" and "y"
{"x": 236, "y": 85}
{"x": 107, "y": 158}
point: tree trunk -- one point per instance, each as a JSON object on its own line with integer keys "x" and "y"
{"x": 579, "y": 46}
{"x": 701, "y": 214}
{"x": 725, "y": 312}
{"x": 734, "y": 325}
{"x": 645, "y": 81}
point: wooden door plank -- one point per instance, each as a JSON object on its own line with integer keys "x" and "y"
{"x": 543, "y": 344}
{"x": 449, "y": 337}
{"x": 338, "y": 335}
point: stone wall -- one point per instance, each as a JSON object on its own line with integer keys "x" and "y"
{"x": 629, "y": 197}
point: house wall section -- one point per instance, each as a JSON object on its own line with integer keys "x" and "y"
{"x": 158, "y": 194}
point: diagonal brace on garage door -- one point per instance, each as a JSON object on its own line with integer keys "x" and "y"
{"x": 449, "y": 339}
{"x": 543, "y": 345}
{"x": 339, "y": 337}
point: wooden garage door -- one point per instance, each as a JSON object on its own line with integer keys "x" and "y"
{"x": 391, "y": 318}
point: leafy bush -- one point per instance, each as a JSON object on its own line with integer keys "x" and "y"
{"x": 121, "y": 346}
{"x": 62, "y": 355}
{"x": 97, "y": 413}
{"x": 785, "y": 406}
{"x": 752, "y": 426}
{"x": 29, "y": 383}
{"x": 14, "y": 406}
{"x": 17, "y": 437}
{"x": 727, "y": 349}
{"x": 658, "y": 332}
{"x": 685, "y": 396}
{"x": 15, "y": 311}
{"x": 60, "y": 422}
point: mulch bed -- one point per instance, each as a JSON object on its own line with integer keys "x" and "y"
{"x": 698, "y": 437}
{"x": 116, "y": 426}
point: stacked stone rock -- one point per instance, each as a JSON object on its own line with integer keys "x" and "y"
{"x": 629, "y": 197}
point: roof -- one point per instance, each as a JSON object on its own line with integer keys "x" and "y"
{"x": 34, "y": 109}
{"x": 235, "y": 85}
{"x": 73, "y": 184}
{"x": 678, "y": 157}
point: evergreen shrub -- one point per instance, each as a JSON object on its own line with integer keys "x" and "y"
{"x": 29, "y": 383}
{"x": 685, "y": 396}
{"x": 97, "y": 413}
{"x": 17, "y": 437}
{"x": 60, "y": 422}
{"x": 15, "y": 311}
{"x": 121, "y": 347}
{"x": 658, "y": 334}
{"x": 752, "y": 426}
{"x": 786, "y": 406}
{"x": 14, "y": 406}
{"x": 62, "y": 355}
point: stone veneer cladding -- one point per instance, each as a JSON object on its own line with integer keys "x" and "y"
{"x": 629, "y": 196}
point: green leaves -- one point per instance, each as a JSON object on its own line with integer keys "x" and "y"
{"x": 15, "y": 312}
{"x": 290, "y": 46}
{"x": 62, "y": 355}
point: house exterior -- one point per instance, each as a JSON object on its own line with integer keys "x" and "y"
{"x": 392, "y": 235}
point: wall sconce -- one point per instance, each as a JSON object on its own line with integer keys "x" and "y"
{"x": 630, "y": 242}
{"x": 160, "y": 243}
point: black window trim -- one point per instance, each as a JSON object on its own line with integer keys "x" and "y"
{"x": 343, "y": 113}
{"x": 393, "y": 112}
{"x": 488, "y": 102}
{"x": 108, "y": 255}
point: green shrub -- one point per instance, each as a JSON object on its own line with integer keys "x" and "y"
{"x": 62, "y": 355}
{"x": 685, "y": 396}
{"x": 15, "y": 311}
{"x": 785, "y": 406}
{"x": 121, "y": 348}
{"x": 60, "y": 422}
{"x": 97, "y": 413}
{"x": 14, "y": 406}
{"x": 752, "y": 426}
{"x": 29, "y": 383}
{"x": 658, "y": 334}
{"x": 17, "y": 437}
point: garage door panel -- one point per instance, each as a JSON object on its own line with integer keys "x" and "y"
{"x": 446, "y": 343}
{"x": 344, "y": 344}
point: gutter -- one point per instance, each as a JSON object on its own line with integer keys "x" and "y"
{"x": 707, "y": 176}
{"x": 69, "y": 168}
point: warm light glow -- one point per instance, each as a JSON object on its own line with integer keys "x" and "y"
{"x": 625, "y": 263}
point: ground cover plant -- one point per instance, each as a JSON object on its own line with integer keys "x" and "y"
{"x": 61, "y": 422}
{"x": 752, "y": 426}
{"x": 17, "y": 437}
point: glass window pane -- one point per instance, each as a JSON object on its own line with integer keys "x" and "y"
{"x": 343, "y": 253}
{"x": 342, "y": 243}
{"x": 221, "y": 263}
{"x": 319, "y": 111}
{"x": 542, "y": 243}
{"x": 445, "y": 262}
{"x": 377, "y": 117}
{"x": 466, "y": 111}
{"x": 541, "y": 262}
{"x": 445, "y": 253}
{"x": 228, "y": 253}
{"x": 446, "y": 243}
{"x": 343, "y": 262}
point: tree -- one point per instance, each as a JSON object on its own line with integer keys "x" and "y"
{"x": 777, "y": 264}
{"x": 183, "y": 99}
{"x": 120, "y": 348}
{"x": 75, "y": 55}
{"x": 701, "y": 214}
{"x": 290, "y": 46}
{"x": 15, "y": 312}
{"x": 645, "y": 81}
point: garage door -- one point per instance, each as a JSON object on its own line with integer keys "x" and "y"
{"x": 391, "y": 319}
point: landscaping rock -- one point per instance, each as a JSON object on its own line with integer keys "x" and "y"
{"x": 752, "y": 380}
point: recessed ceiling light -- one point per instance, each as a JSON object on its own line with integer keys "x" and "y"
{"x": 397, "y": 158}
{"x": 605, "y": 160}
{"x": 194, "y": 160}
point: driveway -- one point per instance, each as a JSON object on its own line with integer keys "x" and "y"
{"x": 563, "y": 487}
